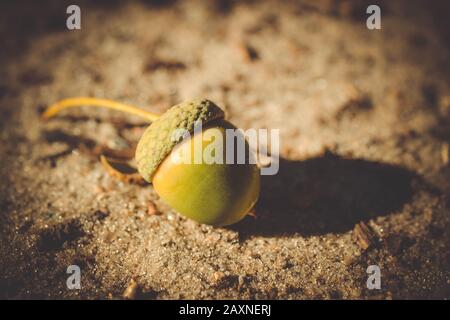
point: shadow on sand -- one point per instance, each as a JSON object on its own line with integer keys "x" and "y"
{"x": 326, "y": 194}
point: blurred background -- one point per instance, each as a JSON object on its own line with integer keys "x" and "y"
{"x": 364, "y": 118}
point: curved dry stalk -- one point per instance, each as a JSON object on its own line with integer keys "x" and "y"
{"x": 98, "y": 103}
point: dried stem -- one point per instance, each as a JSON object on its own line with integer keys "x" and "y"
{"x": 99, "y": 103}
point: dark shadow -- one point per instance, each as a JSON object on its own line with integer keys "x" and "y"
{"x": 328, "y": 194}
{"x": 158, "y": 4}
{"x": 86, "y": 145}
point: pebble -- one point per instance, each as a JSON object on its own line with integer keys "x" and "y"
{"x": 131, "y": 291}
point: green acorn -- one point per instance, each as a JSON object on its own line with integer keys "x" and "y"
{"x": 216, "y": 193}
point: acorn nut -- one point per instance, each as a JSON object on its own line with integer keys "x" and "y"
{"x": 216, "y": 193}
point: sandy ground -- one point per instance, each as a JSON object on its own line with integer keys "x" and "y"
{"x": 365, "y": 127}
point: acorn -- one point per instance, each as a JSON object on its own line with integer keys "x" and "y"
{"x": 217, "y": 193}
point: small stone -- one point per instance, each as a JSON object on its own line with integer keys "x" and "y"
{"x": 348, "y": 259}
{"x": 218, "y": 276}
{"x": 151, "y": 209}
{"x": 363, "y": 235}
{"x": 445, "y": 153}
{"x": 248, "y": 52}
{"x": 241, "y": 280}
{"x": 131, "y": 291}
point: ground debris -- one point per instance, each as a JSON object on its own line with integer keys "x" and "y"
{"x": 135, "y": 291}
{"x": 358, "y": 103}
{"x": 131, "y": 291}
{"x": 363, "y": 235}
{"x": 445, "y": 153}
{"x": 122, "y": 171}
{"x": 170, "y": 65}
{"x": 247, "y": 52}
{"x": 152, "y": 209}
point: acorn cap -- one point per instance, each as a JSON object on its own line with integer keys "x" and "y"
{"x": 159, "y": 139}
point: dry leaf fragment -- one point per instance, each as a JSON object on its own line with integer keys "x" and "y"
{"x": 445, "y": 153}
{"x": 363, "y": 235}
{"x": 131, "y": 291}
